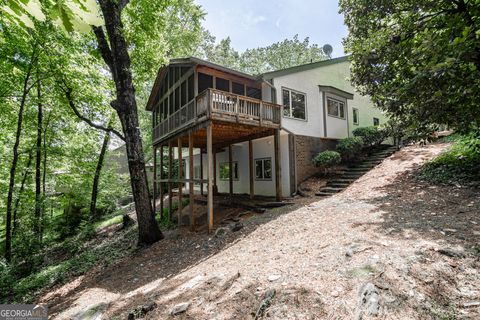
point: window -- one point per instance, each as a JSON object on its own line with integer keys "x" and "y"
{"x": 225, "y": 171}
{"x": 294, "y": 104}
{"x": 355, "y": 116}
{"x": 376, "y": 121}
{"x": 335, "y": 108}
{"x": 263, "y": 169}
{"x": 196, "y": 172}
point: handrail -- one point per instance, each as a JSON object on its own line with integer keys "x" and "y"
{"x": 220, "y": 104}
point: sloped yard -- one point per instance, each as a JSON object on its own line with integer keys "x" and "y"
{"x": 389, "y": 245}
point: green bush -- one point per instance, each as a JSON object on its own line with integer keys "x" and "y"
{"x": 350, "y": 148}
{"x": 371, "y": 136}
{"x": 460, "y": 163}
{"x": 327, "y": 159}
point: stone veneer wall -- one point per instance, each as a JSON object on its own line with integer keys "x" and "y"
{"x": 305, "y": 149}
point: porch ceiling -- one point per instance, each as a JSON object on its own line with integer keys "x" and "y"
{"x": 224, "y": 134}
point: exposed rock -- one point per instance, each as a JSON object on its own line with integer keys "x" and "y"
{"x": 471, "y": 304}
{"x": 221, "y": 232}
{"x": 369, "y": 297}
{"x": 452, "y": 253}
{"x": 274, "y": 277}
{"x": 180, "y": 308}
{"x": 236, "y": 226}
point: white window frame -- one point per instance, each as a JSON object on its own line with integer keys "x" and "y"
{"x": 263, "y": 169}
{"x": 353, "y": 116}
{"x": 290, "y": 116}
{"x": 234, "y": 163}
{"x": 339, "y": 102}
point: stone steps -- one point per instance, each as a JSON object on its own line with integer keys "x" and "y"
{"x": 351, "y": 174}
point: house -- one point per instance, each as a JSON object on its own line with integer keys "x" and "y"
{"x": 266, "y": 128}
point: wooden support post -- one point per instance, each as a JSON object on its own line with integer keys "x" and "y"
{"x": 161, "y": 183}
{"x": 154, "y": 180}
{"x": 201, "y": 171}
{"x": 180, "y": 185}
{"x": 170, "y": 166}
{"x": 278, "y": 174}
{"x": 250, "y": 168}
{"x": 215, "y": 190}
{"x": 191, "y": 176}
{"x": 230, "y": 170}
{"x": 210, "y": 177}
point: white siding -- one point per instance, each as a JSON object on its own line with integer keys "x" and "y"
{"x": 336, "y": 75}
{"x": 262, "y": 148}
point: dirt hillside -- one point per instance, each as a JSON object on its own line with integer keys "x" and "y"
{"x": 388, "y": 247}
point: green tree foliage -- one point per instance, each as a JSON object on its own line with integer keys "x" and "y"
{"x": 279, "y": 55}
{"x": 419, "y": 60}
{"x": 51, "y": 46}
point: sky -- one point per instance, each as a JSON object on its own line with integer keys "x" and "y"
{"x": 258, "y": 23}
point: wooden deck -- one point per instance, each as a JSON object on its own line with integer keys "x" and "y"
{"x": 221, "y": 107}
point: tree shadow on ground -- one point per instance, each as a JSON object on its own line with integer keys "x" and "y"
{"x": 436, "y": 212}
{"x": 179, "y": 251}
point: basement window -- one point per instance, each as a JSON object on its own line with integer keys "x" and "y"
{"x": 225, "y": 171}
{"x": 336, "y": 108}
{"x": 376, "y": 121}
{"x": 196, "y": 172}
{"x": 263, "y": 169}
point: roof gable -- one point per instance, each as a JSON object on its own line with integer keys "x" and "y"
{"x": 303, "y": 67}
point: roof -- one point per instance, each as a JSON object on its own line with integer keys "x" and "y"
{"x": 198, "y": 61}
{"x": 336, "y": 91}
{"x": 303, "y": 67}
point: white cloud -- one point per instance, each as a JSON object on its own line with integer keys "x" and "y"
{"x": 250, "y": 20}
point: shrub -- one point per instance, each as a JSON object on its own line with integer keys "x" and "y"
{"x": 371, "y": 136}
{"x": 460, "y": 163}
{"x": 350, "y": 148}
{"x": 327, "y": 159}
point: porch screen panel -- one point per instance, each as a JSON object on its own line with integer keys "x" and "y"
{"x": 205, "y": 81}
{"x": 238, "y": 88}
{"x": 254, "y": 93}
{"x": 222, "y": 84}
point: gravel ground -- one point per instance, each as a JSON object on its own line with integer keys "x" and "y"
{"x": 388, "y": 246}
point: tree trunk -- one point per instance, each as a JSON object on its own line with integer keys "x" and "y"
{"x": 115, "y": 55}
{"x": 20, "y": 191}
{"x": 44, "y": 165}
{"x": 13, "y": 167}
{"x": 38, "y": 163}
{"x": 98, "y": 170}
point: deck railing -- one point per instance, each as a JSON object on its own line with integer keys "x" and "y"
{"x": 220, "y": 105}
